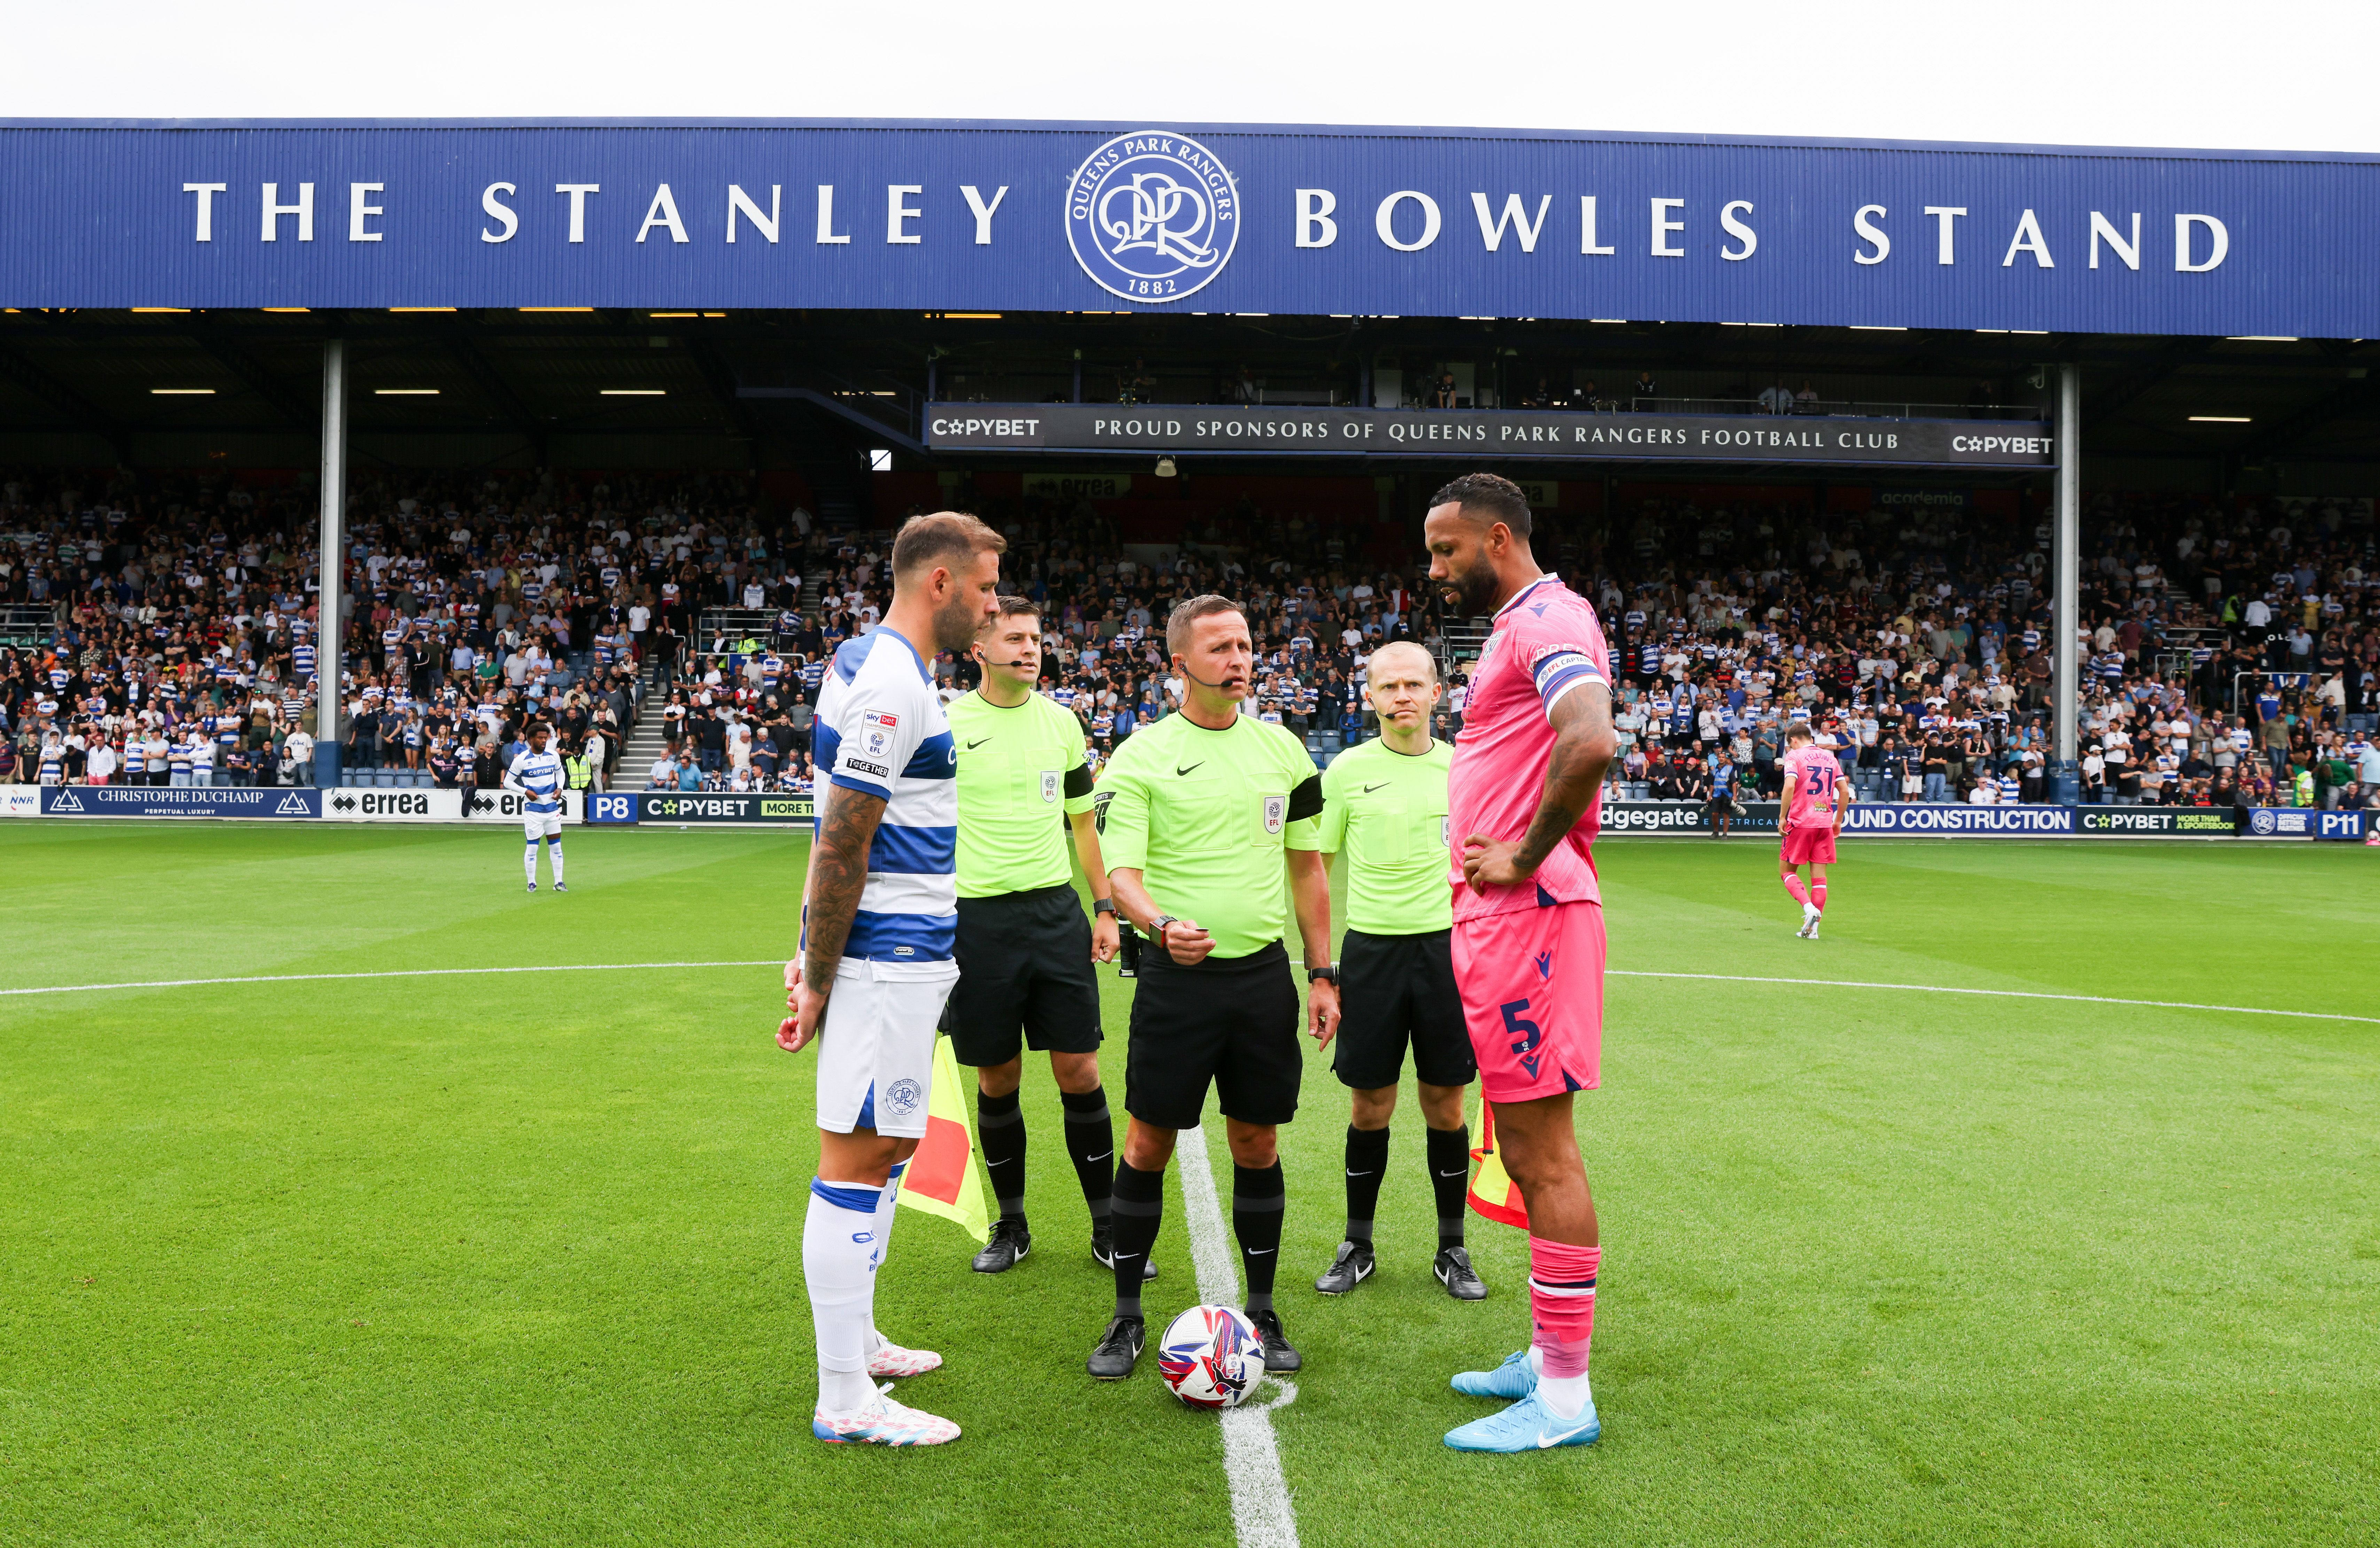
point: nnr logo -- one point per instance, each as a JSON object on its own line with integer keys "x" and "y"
{"x": 1153, "y": 216}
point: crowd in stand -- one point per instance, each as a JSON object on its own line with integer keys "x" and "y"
{"x": 2230, "y": 656}
{"x": 2232, "y": 652}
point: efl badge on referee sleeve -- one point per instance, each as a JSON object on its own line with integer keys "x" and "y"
{"x": 1049, "y": 785}
{"x": 1276, "y": 812}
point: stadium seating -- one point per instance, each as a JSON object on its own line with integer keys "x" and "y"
{"x": 2231, "y": 646}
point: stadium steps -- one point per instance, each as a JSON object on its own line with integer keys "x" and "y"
{"x": 646, "y": 741}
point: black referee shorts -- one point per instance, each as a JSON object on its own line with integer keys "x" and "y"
{"x": 1228, "y": 1020}
{"x": 1024, "y": 978}
{"x": 1393, "y": 988}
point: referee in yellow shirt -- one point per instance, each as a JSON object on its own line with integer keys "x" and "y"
{"x": 1023, "y": 948}
{"x": 1203, "y": 817}
{"x": 1384, "y": 807}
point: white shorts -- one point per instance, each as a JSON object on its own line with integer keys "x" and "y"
{"x": 876, "y": 1052}
{"x": 542, "y": 825}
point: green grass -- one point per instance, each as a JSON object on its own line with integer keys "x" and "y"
{"x": 517, "y": 1259}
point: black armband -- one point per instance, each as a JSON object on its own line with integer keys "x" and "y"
{"x": 1078, "y": 781}
{"x": 1305, "y": 801}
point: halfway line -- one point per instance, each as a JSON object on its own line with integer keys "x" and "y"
{"x": 2004, "y": 994}
{"x": 1261, "y": 1508}
{"x": 395, "y": 972}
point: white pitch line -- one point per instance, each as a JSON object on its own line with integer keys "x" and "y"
{"x": 395, "y": 972}
{"x": 2004, "y": 994}
{"x": 1260, "y": 1508}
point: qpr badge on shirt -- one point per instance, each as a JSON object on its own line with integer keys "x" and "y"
{"x": 1276, "y": 812}
{"x": 1049, "y": 785}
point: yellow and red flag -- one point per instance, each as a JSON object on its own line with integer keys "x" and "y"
{"x": 941, "y": 1179}
{"x": 1493, "y": 1193}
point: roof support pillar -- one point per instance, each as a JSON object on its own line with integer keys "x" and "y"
{"x": 330, "y": 620}
{"x": 2066, "y": 551}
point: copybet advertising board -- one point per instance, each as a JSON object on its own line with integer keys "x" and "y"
{"x": 1067, "y": 217}
{"x": 670, "y": 806}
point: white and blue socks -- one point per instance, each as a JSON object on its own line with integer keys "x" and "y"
{"x": 839, "y": 1255}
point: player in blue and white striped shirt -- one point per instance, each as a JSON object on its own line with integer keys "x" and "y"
{"x": 538, "y": 775}
{"x": 880, "y": 912}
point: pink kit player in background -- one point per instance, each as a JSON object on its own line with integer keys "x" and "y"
{"x": 1814, "y": 805}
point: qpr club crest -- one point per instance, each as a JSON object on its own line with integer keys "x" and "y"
{"x": 1153, "y": 216}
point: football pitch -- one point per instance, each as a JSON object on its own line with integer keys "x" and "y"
{"x": 515, "y": 1258}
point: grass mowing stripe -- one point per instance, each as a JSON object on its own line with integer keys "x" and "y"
{"x": 394, "y": 972}
{"x": 2004, "y": 994}
{"x": 1260, "y": 1508}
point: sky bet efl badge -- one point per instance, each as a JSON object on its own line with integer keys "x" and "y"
{"x": 879, "y": 732}
{"x": 1153, "y": 216}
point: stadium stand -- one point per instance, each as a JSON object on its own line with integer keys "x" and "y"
{"x": 160, "y": 628}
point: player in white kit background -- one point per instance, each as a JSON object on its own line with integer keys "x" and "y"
{"x": 537, "y": 775}
{"x": 879, "y": 920}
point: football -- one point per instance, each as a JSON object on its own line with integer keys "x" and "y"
{"x": 1212, "y": 1357}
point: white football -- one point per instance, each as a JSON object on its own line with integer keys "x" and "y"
{"x": 1211, "y": 1357}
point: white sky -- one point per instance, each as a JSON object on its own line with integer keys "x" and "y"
{"x": 2271, "y": 75}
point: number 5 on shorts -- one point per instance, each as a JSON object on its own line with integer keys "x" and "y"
{"x": 1514, "y": 1022}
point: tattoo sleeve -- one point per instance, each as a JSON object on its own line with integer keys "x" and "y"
{"x": 1584, "y": 743}
{"x": 838, "y": 872}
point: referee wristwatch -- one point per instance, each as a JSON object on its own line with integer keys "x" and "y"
{"x": 1157, "y": 929}
{"x": 1328, "y": 974}
{"x": 1103, "y": 905}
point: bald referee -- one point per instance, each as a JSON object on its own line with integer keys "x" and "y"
{"x": 1024, "y": 949}
{"x": 1199, "y": 815}
{"x": 1384, "y": 807}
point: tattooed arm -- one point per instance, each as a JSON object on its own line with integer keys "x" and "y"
{"x": 1583, "y": 744}
{"x": 838, "y": 871}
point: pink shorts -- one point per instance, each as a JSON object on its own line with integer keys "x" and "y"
{"x": 1809, "y": 846}
{"x": 1532, "y": 984}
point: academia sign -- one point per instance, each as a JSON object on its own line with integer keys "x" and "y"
{"x": 1505, "y": 435}
{"x": 1062, "y": 217}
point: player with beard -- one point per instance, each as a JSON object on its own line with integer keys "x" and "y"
{"x": 879, "y": 913}
{"x": 1528, "y": 939}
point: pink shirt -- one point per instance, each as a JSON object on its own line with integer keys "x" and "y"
{"x": 1813, "y": 785}
{"x": 1545, "y": 643}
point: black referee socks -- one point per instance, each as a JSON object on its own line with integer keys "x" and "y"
{"x": 1139, "y": 1209}
{"x": 1367, "y": 1161}
{"x": 1449, "y": 1179}
{"x": 1000, "y": 1128}
{"x": 1256, "y": 1199}
{"x": 1090, "y": 1140}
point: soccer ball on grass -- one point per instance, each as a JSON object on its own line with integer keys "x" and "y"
{"x": 1212, "y": 1356}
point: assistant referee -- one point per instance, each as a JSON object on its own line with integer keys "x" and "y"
{"x": 1385, "y": 807}
{"x": 1023, "y": 948}
{"x": 1199, "y": 814}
